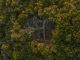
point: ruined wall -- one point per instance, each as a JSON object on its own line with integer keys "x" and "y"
{"x": 41, "y": 27}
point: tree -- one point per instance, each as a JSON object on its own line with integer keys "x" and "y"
{"x": 17, "y": 44}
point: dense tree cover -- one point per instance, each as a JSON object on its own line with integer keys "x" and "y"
{"x": 16, "y": 42}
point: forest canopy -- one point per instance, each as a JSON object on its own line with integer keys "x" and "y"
{"x": 39, "y": 29}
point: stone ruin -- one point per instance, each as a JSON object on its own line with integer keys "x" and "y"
{"x": 39, "y": 28}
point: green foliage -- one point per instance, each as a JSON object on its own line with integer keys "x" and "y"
{"x": 16, "y": 42}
